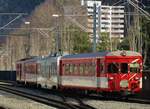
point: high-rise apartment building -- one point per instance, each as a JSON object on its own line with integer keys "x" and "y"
{"x": 112, "y": 20}
{"x": 109, "y": 19}
{"x": 90, "y": 10}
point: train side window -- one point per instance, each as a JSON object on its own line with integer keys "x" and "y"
{"x": 135, "y": 68}
{"x": 38, "y": 68}
{"x": 124, "y": 67}
{"x": 66, "y": 69}
{"x": 81, "y": 68}
{"x": 75, "y": 69}
{"x": 113, "y": 67}
{"x": 49, "y": 70}
{"x": 71, "y": 69}
{"x": 90, "y": 69}
{"x": 52, "y": 69}
{"x": 86, "y": 69}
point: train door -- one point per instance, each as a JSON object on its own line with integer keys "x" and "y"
{"x": 123, "y": 76}
{"x": 18, "y": 71}
{"x": 135, "y": 76}
{"x": 117, "y": 75}
{"x": 102, "y": 80}
{"x": 113, "y": 75}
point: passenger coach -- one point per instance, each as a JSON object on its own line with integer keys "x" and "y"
{"x": 105, "y": 72}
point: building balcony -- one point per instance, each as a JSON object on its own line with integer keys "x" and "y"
{"x": 105, "y": 11}
{"x": 105, "y": 30}
{"x": 117, "y": 16}
{"x": 105, "y": 15}
{"x": 117, "y": 21}
{"x": 91, "y": 31}
{"x": 117, "y": 35}
{"x": 91, "y": 20}
{"x": 117, "y": 26}
{"x": 105, "y": 20}
{"x": 118, "y": 11}
{"x": 117, "y": 31}
{"x": 105, "y": 25}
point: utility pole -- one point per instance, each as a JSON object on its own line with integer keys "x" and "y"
{"x": 94, "y": 28}
{"x": 58, "y": 37}
{"x": 99, "y": 22}
{"x": 27, "y": 47}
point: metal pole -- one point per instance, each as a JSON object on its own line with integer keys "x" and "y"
{"x": 59, "y": 36}
{"x": 94, "y": 29}
{"x": 28, "y": 39}
{"x": 110, "y": 29}
{"x": 99, "y": 22}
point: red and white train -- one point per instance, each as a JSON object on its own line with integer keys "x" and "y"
{"x": 103, "y": 72}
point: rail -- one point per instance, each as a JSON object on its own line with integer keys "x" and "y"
{"x": 41, "y": 99}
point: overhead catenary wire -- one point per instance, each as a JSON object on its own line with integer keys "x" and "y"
{"x": 10, "y": 22}
{"x": 146, "y": 14}
{"x": 13, "y": 14}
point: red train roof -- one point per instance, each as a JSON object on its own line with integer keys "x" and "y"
{"x": 102, "y": 54}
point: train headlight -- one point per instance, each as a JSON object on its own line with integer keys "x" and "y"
{"x": 137, "y": 78}
{"x": 111, "y": 78}
{"x": 124, "y": 83}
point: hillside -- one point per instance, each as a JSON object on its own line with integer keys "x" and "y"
{"x": 15, "y": 6}
{"x": 44, "y": 29}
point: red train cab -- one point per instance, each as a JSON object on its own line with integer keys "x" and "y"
{"x": 102, "y": 72}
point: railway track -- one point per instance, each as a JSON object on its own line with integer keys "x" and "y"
{"x": 66, "y": 100}
{"x": 128, "y": 100}
{"x": 60, "y": 104}
{"x": 138, "y": 100}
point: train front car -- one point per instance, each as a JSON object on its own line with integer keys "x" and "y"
{"x": 123, "y": 72}
{"x": 107, "y": 73}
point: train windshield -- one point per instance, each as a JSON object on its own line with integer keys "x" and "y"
{"x": 124, "y": 67}
{"x": 134, "y": 67}
{"x": 118, "y": 67}
{"x": 113, "y": 67}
